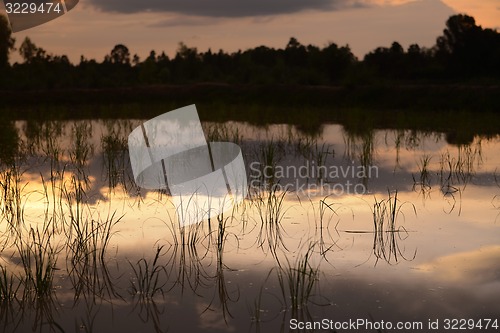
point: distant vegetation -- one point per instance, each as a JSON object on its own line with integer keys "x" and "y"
{"x": 464, "y": 53}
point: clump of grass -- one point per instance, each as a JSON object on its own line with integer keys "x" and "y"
{"x": 148, "y": 276}
{"x": 320, "y": 156}
{"x": 82, "y": 150}
{"x": 256, "y": 309}
{"x": 327, "y": 212}
{"x": 297, "y": 282}
{"x": 223, "y": 295}
{"x": 222, "y": 133}
{"x": 8, "y": 287}
{"x": 114, "y": 150}
{"x": 87, "y": 246}
{"x": 271, "y": 211}
{"x": 11, "y": 190}
{"x": 38, "y": 257}
{"x": 387, "y": 231}
{"x": 317, "y": 154}
{"x": 269, "y": 155}
{"x": 424, "y": 181}
{"x": 360, "y": 146}
{"x": 87, "y": 235}
{"x": 304, "y": 145}
{"x": 459, "y": 170}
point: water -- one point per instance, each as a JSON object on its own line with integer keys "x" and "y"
{"x": 383, "y": 225}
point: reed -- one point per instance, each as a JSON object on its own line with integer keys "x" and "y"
{"x": 148, "y": 276}
{"x": 114, "y": 150}
{"x": 11, "y": 190}
{"x": 219, "y": 132}
{"x": 327, "y": 212}
{"x": 271, "y": 211}
{"x": 269, "y": 154}
{"x": 9, "y": 285}
{"x": 38, "y": 257}
{"x": 424, "y": 182}
{"x": 387, "y": 231}
{"x": 297, "y": 282}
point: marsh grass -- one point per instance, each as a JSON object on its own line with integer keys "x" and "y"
{"x": 82, "y": 150}
{"x": 34, "y": 253}
{"x": 86, "y": 254}
{"x": 38, "y": 256}
{"x": 424, "y": 182}
{"x": 327, "y": 212}
{"x": 11, "y": 190}
{"x": 271, "y": 211}
{"x": 455, "y": 174}
{"x": 304, "y": 145}
{"x": 360, "y": 146}
{"x": 191, "y": 235}
{"x": 297, "y": 281}
{"x": 320, "y": 157}
{"x": 49, "y": 140}
{"x": 219, "y": 132}
{"x": 459, "y": 169}
{"x": 269, "y": 154}
{"x": 114, "y": 150}
{"x": 149, "y": 277}
{"x": 387, "y": 231}
{"x": 66, "y": 222}
{"x": 198, "y": 257}
{"x": 34, "y": 245}
{"x": 186, "y": 264}
{"x": 224, "y": 295}
{"x": 259, "y": 309}
{"x": 88, "y": 235}
{"x": 398, "y": 138}
{"x": 316, "y": 154}
{"x": 9, "y": 285}
{"x": 150, "y": 311}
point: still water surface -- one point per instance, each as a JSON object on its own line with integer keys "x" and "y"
{"x": 384, "y": 225}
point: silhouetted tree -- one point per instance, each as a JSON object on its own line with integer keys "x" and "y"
{"x": 6, "y": 41}
{"x": 295, "y": 53}
{"x": 337, "y": 60}
{"x": 388, "y": 62}
{"x": 30, "y": 52}
{"x": 459, "y": 32}
{"x": 468, "y": 49}
{"x": 187, "y": 63}
{"x": 119, "y": 55}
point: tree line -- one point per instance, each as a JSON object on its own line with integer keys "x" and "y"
{"x": 465, "y": 51}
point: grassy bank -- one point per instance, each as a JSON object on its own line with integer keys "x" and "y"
{"x": 461, "y": 111}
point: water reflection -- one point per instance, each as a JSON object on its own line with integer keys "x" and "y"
{"x": 388, "y": 232}
{"x": 84, "y": 248}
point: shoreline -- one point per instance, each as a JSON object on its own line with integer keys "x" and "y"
{"x": 382, "y": 96}
{"x": 459, "y": 111}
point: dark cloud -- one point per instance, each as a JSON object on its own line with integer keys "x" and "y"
{"x": 222, "y": 8}
{"x": 184, "y": 21}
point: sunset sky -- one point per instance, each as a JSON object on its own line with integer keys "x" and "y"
{"x": 95, "y": 26}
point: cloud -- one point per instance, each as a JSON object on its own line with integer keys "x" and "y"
{"x": 477, "y": 266}
{"x": 183, "y": 21}
{"x": 223, "y": 8}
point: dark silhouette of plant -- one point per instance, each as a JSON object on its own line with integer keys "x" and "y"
{"x": 468, "y": 49}
{"x": 6, "y": 41}
{"x": 119, "y": 55}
